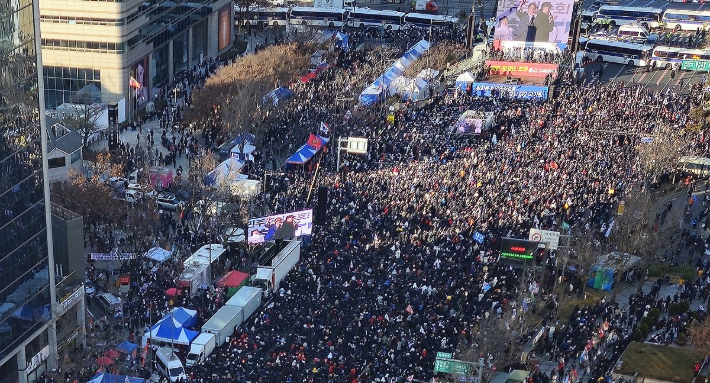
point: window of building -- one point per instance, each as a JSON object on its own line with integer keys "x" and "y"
{"x": 71, "y": 85}
{"x": 76, "y": 156}
{"x": 57, "y": 162}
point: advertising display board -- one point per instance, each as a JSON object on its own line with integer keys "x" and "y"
{"x": 519, "y": 252}
{"x": 522, "y": 69}
{"x": 224, "y": 35}
{"x": 533, "y": 21}
{"x": 280, "y": 226}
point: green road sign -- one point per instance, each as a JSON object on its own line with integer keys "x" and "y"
{"x": 451, "y": 367}
{"x": 444, "y": 355}
{"x": 699, "y": 65}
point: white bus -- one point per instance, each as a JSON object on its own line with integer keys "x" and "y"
{"x": 260, "y": 16}
{"x": 617, "y": 52}
{"x": 699, "y": 166}
{"x": 649, "y": 18}
{"x": 665, "y": 57}
{"x": 326, "y": 17}
{"x": 426, "y": 20}
{"x": 686, "y": 20}
{"x": 365, "y": 17}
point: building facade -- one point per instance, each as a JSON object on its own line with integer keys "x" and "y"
{"x": 28, "y": 291}
{"x": 90, "y": 49}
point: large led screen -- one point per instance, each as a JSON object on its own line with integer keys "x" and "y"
{"x": 281, "y": 226}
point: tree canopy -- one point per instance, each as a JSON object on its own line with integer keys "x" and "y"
{"x": 234, "y": 94}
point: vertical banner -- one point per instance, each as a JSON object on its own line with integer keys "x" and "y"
{"x": 534, "y": 21}
{"x": 140, "y": 73}
{"x": 225, "y": 27}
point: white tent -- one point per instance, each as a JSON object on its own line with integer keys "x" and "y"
{"x": 158, "y": 254}
{"x": 464, "y": 79}
{"x": 428, "y": 74}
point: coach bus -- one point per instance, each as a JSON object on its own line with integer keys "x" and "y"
{"x": 426, "y": 20}
{"x": 686, "y": 19}
{"x": 260, "y": 16}
{"x": 649, "y": 18}
{"x": 617, "y": 52}
{"x": 665, "y": 57}
{"x": 364, "y": 17}
{"x": 699, "y": 166}
{"x": 325, "y": 17}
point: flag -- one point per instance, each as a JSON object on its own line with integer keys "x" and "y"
{"x": 315, "y": 141}
{"x": 133, "y": 83}
{"x": 478, "y": 237}
{"x": 409, "y": 309}
{"x": 324, "y": 129}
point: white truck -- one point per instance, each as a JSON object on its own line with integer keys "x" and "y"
{"x": 248, "y": 298}
{"x": 268, "y": 278}
{"x": 200, "y": 349}
{"x": 223, "y": 322}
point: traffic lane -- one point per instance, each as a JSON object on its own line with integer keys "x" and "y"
{"x": 660, "y": 80}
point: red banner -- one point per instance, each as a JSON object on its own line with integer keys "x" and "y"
{"x": 522, "y": 69}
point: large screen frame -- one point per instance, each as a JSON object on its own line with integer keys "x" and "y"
{"x": 276, "y": 226}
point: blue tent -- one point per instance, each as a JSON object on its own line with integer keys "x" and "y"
{"x": 126, "y": 347}
{"x": 277, "y": 95}
{"x": 187, "y": 318}
{"x": 105, "y": 377}
{"x": 305, "y": 152}
{"x": 372, "y": 93}
{"x": 170, "y": 330}
{"x": 342, "y": 41}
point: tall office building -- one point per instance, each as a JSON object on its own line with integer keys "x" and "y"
{"x": 91, "y": 49}
{"x": 28, "y": 300}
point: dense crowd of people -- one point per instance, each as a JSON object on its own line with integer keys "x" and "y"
{"x": 407, "y": 263}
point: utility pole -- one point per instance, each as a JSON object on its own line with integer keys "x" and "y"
{"x": 471, "y": 32}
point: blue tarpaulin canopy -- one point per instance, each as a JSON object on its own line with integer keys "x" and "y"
{"x": 105, "y": 377}
{"x": 305, "y": 152}
{"x": 170, "y": 330}
{"x": 126, "y": 347}
{"x": 186, "y": 317}
{"x": 277, "y": 95}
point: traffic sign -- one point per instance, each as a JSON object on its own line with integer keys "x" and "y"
{"x": 550, "y": 238}
{"x": 451, "y": 367}
{"x": 699, "y": 65}
{"x": 444, "y": 355}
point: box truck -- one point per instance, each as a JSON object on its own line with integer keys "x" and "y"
{"x": 222, "y": 323}
{"x": 200, "y": 349}
{"x": 248, "y": 298}
{"x": 268, "y": 278}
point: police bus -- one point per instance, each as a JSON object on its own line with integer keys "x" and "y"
{"x": 260, "y": 16}
{"x": 365, "y": 17}
{"x": 617, "y": 52}
{"x": 649, "y": 18}
{"x": 426, "y": 20}
{"x": 666, "y": 57}
{"x": 686, "y": 19}
{"x": 312, "y": 16}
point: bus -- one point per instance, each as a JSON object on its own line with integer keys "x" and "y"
{"x": 695, "y": 165}
{"x": 686, "y": 19}
{"x": 649, "y": 18}
{"x": 426, "y": 20}
{"x": 666, "y": 57}
{"x": 364, "y": 17}
{"x": 325, "y": 17}
{"x": 260, "y": 16}
{"x": 617, "y": 52}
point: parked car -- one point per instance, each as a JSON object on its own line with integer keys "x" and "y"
{"x": 116, "y": 181}
{"x": 89, "y": 288}
{"x": 169, "y": 202}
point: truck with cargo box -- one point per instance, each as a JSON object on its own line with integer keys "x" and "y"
{"x": 248, "y": 298}
{"x": 269, "y": 277}
{"x": 223, "y": 322}
{"x": 200, "y": 349}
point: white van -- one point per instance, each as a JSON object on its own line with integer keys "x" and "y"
{"x": 634, "y": 33}
{"x": 169, "y": 364}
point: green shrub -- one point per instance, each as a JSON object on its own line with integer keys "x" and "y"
{"x": 656, "y": 271}
{"x": 684, "y": 307}
{"x": 638, "y": 336}
{"x": 682, "y": 339}
{"x": 654, "y": 314}
{"x": 673, "y": 309}
{"x": 644, "y": 329}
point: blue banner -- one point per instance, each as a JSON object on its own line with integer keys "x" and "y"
{"x": 526, "y": 92}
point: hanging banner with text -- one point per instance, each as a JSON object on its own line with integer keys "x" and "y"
{"x": 522, "y": 69}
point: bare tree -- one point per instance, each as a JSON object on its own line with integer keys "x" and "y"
{"x": 438, "y": 57}
{"x": 84, "y": 116}
{"x": 699, "y": 332}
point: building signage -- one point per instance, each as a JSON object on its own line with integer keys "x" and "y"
{"x": 522, "y": 69}
{"x": 699, "y": 65}
{"x": 70, "y": 300}
{"x": 112, "y": 256}
{"x": 224, "y": 34}
{"x": 38, "y": 359}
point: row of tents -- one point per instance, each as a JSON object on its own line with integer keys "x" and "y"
{"x": 374, "y": 91}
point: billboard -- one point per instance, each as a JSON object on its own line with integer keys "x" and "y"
{"x": 526, "y": 92}
{"x": 522, "y": 69}
{"x": 280, "y": 226}
{"x": 519, "y": 252}
{"x": 224, "y": 34}
{"x": 534, "y": 21}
